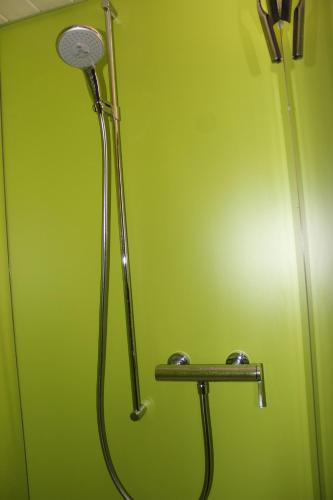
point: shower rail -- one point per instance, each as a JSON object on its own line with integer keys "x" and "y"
{"x": 139, "y": 408}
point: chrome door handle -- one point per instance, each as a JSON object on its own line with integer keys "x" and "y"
{"x": 298, "y": 38}
{"x": 236, "y": 369}
{"x": 281, "y": 11}
{"x": 267, "y": 24}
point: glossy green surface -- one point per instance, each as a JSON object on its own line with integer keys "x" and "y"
{"x": 213, "y": 255}
{"x": 13, "y": 480}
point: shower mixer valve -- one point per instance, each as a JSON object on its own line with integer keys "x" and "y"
{"x": 236, "y": 369}
{"x": 279, "y": 11}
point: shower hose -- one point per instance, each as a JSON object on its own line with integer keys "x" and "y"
{"x": 203, "y": 387}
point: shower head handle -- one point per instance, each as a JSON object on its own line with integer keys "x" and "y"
{"x": 93, "y": 85}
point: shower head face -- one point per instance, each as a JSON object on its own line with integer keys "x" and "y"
{"x": 80, "y": 46}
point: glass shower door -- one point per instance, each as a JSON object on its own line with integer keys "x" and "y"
{"x": 310, "y": 85}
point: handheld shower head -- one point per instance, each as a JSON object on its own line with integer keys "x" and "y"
{"x": 82, "y": 47}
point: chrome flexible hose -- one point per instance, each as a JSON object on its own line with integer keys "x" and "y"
{"x": 203, "y": 390}
{"x": 103, "y": 314}
{"x": 203, "y": 387}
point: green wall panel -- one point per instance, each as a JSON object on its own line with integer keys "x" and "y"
{"x": 13, "y": 477}
{"x": 213, "y": 254}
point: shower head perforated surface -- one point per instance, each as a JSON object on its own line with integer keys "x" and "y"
{"x": 80, "y": 46}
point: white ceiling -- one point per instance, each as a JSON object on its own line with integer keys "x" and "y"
{"x": 13, "y": 10}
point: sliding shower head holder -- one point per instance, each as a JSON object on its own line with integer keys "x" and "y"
{"x": 281, "y": 11}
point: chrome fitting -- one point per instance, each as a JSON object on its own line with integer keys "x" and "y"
{"x": 138, "y": 414}
{"x": 107, "y": 108}
{"x": 107, "y": 6}
{"x": 203, "y": 388}
{"x": 179, "y": 358}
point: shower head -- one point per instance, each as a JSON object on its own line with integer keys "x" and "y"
{"x": 80, "y": 46}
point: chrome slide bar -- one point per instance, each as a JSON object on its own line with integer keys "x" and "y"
{"x": 139, "y": 408}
